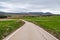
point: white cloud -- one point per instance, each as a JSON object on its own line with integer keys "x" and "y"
{"x": 30, "y": 6}
{"x": 10, "y": 7}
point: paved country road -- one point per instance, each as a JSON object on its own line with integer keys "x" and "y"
{"x": 30, "y": 31}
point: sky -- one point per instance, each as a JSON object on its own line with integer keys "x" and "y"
{"x": 14, "y": 6}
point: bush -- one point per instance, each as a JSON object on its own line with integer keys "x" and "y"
{"x": 3, "y": 16}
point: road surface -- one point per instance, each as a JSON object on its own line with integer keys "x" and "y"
{"x": 30, "y": 31}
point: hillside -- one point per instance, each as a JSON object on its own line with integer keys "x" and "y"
{"x": 27, "y": 14}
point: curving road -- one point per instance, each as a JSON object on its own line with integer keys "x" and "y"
{"x": 30, "y": 31}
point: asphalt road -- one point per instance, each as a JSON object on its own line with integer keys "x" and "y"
{"x": 30, "y": 31}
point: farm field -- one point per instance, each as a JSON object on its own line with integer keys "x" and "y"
{"x": 49, "y": 23}
{"x": 8, "y": 26}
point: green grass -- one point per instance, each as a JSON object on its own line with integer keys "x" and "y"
{"x": 50, "y": 24}
{"x": 8, "y": 26}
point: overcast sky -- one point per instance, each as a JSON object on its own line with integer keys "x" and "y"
{"x": 30, "y": 6}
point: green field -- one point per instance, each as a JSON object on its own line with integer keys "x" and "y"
{"x": 8, "y": 26}
{"x": 50, "y": 24}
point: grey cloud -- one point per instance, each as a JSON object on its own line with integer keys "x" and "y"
{"x": 32, "y": 5}
{"x": 1, "y": 7}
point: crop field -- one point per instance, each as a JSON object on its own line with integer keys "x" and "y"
{"x": 8, "y": 26}
{"x": 49, "y": 23}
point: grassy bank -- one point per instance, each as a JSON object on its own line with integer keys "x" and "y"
{"x": 8, "y": 26}
{"x": 50, "y": 24}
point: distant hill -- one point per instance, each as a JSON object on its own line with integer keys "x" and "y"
{"x": 28, "y": 14}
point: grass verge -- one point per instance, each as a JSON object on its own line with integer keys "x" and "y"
{"x": 8, "y": 26}
{"x": 50, "y": 24}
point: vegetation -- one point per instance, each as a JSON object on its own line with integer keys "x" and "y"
{"x": 50, "y": 24}
{"x": 2, "y": 16}
{"x": 8, "y": 26}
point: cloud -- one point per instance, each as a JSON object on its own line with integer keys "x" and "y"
{"x": 30, "y": 5}
{"x": 5, "y": 6}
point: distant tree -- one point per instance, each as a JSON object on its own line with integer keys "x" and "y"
{"x": 3, "y": 16}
